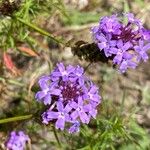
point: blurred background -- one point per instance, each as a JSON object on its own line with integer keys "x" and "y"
{"x": 26, "y": 53}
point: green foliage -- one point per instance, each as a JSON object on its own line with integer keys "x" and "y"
{"x": 15, "y": 28}
{"x": 80, "y": 18}
{"x": 146, "y": 94}
{"x": 110, "y": 131}
{"x": 140, "y": 3}
{"x": 140, "y": 136}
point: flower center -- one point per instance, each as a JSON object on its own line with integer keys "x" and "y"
{"x": 70, "y": 91}
{"x": 127, "y": 34}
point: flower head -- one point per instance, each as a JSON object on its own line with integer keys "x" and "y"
{"x": 72, "y": 98}
{"x": 17, "y": 141}
{"x": 124, "y": 39}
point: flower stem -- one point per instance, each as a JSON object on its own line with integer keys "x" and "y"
{"x": 12, "y": 119}
{"x": 56, "y": 136}
{"x": 41, "y": 31}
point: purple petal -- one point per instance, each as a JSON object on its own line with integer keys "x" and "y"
{"x": 107, "y": 52}
{"x": 84, "y": 117}
{"x": 74, "y": 105}
{"x": 60, "y": 123}
{"x": 74, "y": 115}
{"x": 113, "y": 50}
{"x": 74, "y": 128}
{"x": 144, "y": 56}
{"x": 132, "y": 64}
{"x": 93, "y": 89}
{"x": 87, "y": 108}
{"x": 60, "y": 106}
{"x": 61, "y": 67}
{"x": 47, "y": 99}
{"x": 45, "y": 120}
{"x": 70, "y": 69}
{"x": 113, "y": 43}
{"x": 93, "y": 112}
{"x": 146, "y": 47}
{"x": 52, "y": 115}
{"x": 101, "y": 38}
{"x": 80, "y": 101}
{"x": 56, "y": 74}
{"x": 146, "y": 34}
{"x": 39, "y": 95}
{"x": 95, "y": 29}
{"x": 81, "y": 81}
{"x": 68, "y": 108}
{"x": 137, "y": 49}
{"x": 117, "y": 59}
{"x": 120, "y": 44}
{"x": 55, "y": 92}
{"x": 141, "y": 44}
{"x": 126, "y": 46}
{"x": 123, "y": 66}
{"x": 102, "y": 45}
{"x": 43, "y": 82}
{"x": 79, "y": 71}
{"x": 130, "y": 17}
{"x": 127, "y": 55}
{"x": 96, "y": 98}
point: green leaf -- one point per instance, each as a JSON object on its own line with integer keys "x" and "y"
{"x": 12, "y": 119}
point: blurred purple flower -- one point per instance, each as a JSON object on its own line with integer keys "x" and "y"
{"x": 141, "y": 49}
{"x": 17, "y": 141}
{"x": 75, "y": 127}
{"x": 70, "y": 96}
{"x": 126, "y": 42}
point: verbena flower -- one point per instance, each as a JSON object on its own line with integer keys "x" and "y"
{"x": 124, "y": 39}
{"x": 71, "y": 98}
{"x": 17, "y": 141}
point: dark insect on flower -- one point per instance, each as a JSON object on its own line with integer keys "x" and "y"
{"x": 7, "y": 7}
{"x": 123, "y": 39}
{"x": 89, "y": 52}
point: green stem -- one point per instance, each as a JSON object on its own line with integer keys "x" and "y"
{"x": 12, "y": 119}
{"x": 56, "y": 136}
{"x": 41, "y": 31}
{"x": 11, "y": 81}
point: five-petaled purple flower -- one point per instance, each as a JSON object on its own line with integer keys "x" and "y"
{"x": 124, "y": 39}
{"x": 17, "y": 141}
{"x": 70, "y": 96}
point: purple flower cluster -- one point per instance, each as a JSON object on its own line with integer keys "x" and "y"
{"x": 124, "y": 39}
{"x": 70, "y": 96}
{"x": 17, "y": 141}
